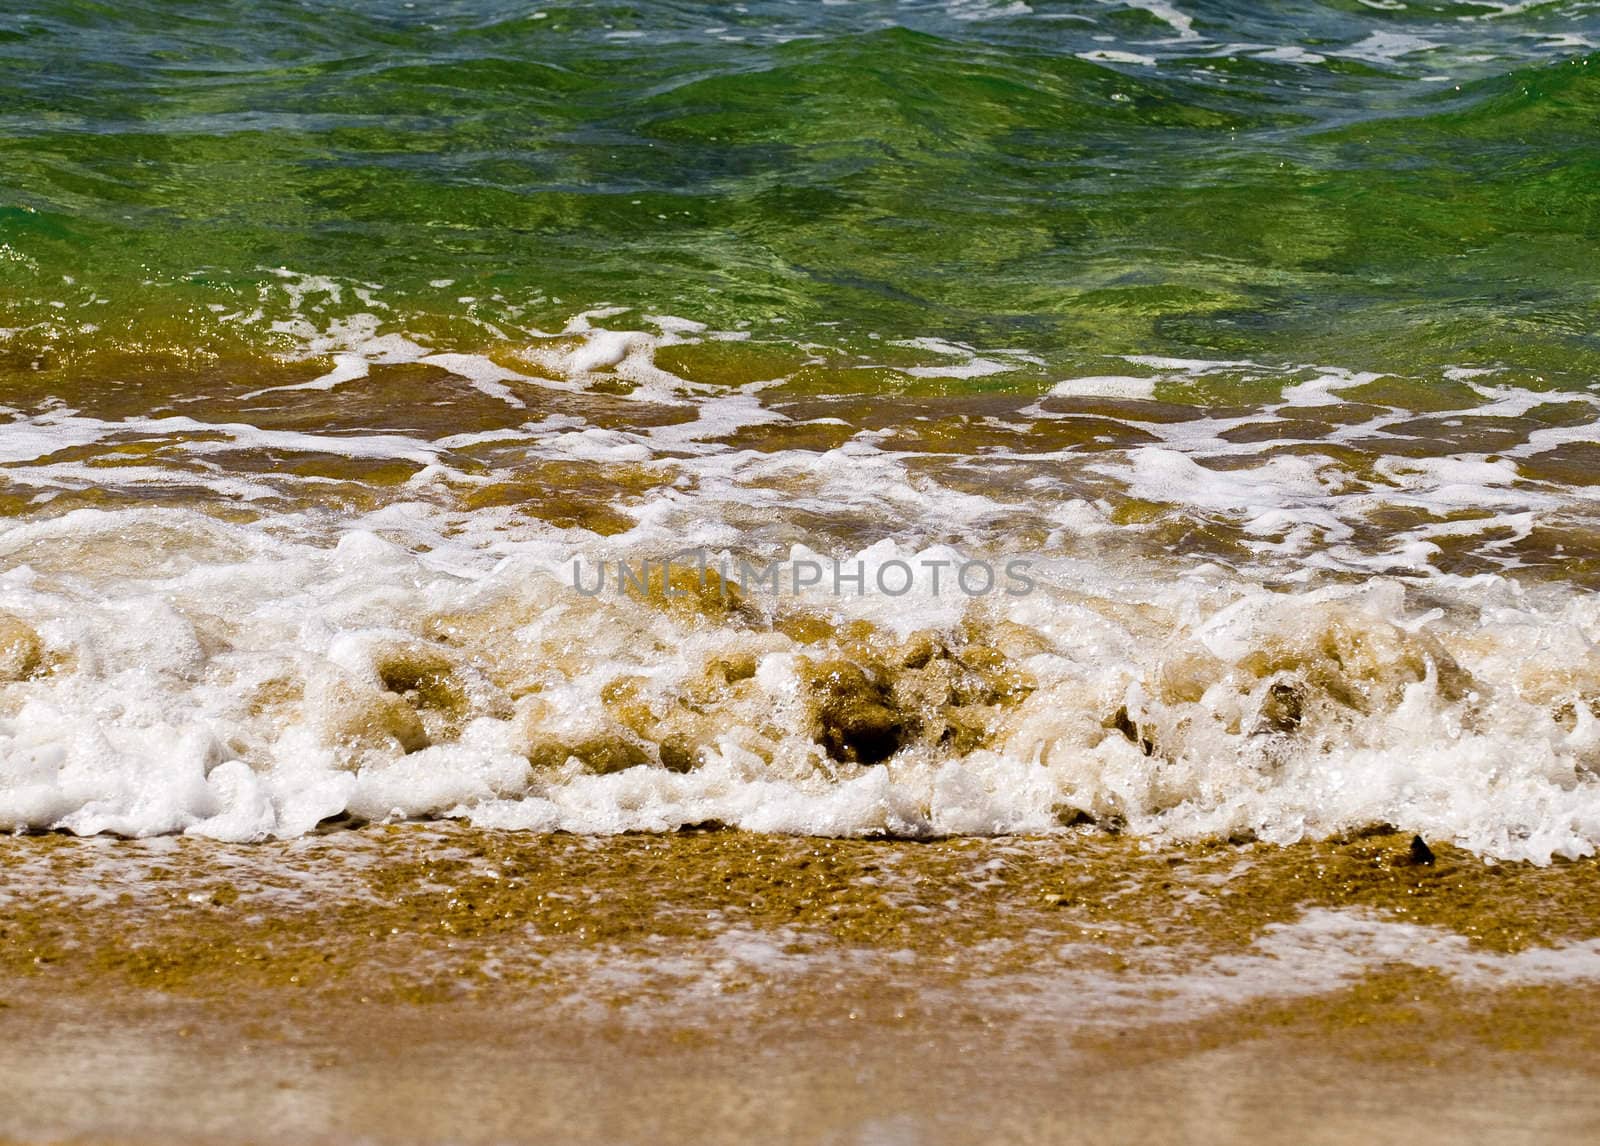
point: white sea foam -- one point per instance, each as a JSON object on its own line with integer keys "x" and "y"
{"x": 166, "y": 670}
{"x": 1385, "y": 47}
{"x": 1117, "y": 56}
{"x": 1180, "y": 22}
{"x": 1323, "y": 950}
{"x": 238, "y": 690}
{"x": 1106, "y": 386}
{"x": 968, "y": 361}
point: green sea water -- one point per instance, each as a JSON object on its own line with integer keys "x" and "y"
{"x": 1394, "y": 185}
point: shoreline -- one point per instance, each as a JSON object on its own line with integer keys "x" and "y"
{"x": 431, "y": 982}
{"x": 255, "y": 1071}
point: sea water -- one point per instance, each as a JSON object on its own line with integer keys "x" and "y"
{"x": 336, "y": 346}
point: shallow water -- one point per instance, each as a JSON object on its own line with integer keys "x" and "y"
{"x": 331, "y": 343}
{"x": 432, "y": 982}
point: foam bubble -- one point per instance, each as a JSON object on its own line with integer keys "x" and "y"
{"x": 420, "y": 650}
{"x": 270, "y": 679}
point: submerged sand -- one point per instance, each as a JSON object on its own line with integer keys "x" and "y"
{"x": 436, "y": 983}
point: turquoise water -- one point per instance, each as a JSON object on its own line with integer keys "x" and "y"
{"x": 1392, "y": 186}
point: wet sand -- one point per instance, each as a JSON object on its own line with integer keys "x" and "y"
{"x": 441, "y": 984}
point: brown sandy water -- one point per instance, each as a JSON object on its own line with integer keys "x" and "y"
{"x": 440, "y": 983}
{"x": 245, "y": 437}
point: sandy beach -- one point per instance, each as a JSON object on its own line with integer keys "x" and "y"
{"x": 436, "y": 983}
